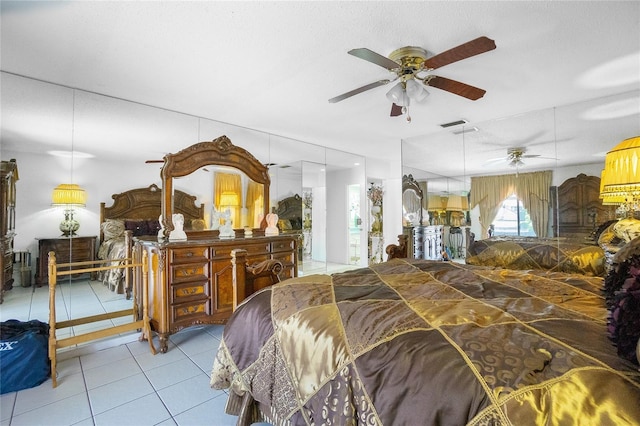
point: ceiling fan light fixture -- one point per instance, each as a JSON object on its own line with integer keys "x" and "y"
{"x": 416, "y": 90}
{"x": 397, "y": 94}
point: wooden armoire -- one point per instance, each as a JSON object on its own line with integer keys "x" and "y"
{"x": 577, "y": 207}
{"x": 8, "y": 178}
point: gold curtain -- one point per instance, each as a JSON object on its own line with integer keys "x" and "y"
{"x": 488, "y": 192}
{"x": 254, "y": 203}
{"x": 228, "y": 182}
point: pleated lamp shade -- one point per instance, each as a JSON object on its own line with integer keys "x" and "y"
{"x": 69, "y": 194}
{"x": 435, "y": 203}
{"x": 621, "y": 175}
{"x": 609, "y": 199}
{"x": 454, "y": 203}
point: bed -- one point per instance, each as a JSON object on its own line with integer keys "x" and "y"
{"x": 408, "y": 342}
{"x": 290, "y": 214}
{"x": 135, "y": 213}
{"x": 553, "y": 254}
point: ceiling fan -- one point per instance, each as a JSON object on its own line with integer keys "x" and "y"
{"x": 515, "y": 156}
{"x": 412, "y": 67}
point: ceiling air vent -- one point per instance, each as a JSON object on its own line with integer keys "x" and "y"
{"x": 454, "y": 123}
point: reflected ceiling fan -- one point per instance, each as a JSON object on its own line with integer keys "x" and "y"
{"x": 515, "y": 156}
{"x": 413, "y": 70}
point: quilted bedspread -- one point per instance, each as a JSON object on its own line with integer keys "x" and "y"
{"x": 418, "y": 342}
{"x": 554, "y": 254}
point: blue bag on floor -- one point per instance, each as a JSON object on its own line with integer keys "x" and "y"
{"x": 24, "y": 356}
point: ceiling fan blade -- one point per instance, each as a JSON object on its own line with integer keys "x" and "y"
{"x": 154, "y": 161}
{"x": 359, "y": 90}
{"x": 465, "y": 50}
{"x": 396, "y": 110}
{"x": 455, "y": 87}
{"x": 374, "y": 58}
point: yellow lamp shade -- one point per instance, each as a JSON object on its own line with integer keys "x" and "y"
{"x": 69, "y": 194}
{"x": 621, "y": 174}
{"x": 435, "y": 203}
{"x": 454, "y": 203}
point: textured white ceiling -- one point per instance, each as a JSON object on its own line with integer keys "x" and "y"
{"x": 272, "y": 66}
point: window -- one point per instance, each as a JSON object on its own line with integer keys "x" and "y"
{"x": 513, "y": 219}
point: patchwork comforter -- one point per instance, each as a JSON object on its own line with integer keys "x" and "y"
{"x": 554, "y": 254}
{"x": 418, "y": 342}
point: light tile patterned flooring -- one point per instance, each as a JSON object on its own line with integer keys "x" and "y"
{"x": 117, "y": 381}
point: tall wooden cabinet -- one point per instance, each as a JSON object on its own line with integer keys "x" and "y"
{"x": 192, "y": 282}
{"x": 578, "y": 209}
{"x": 8, "y": 178}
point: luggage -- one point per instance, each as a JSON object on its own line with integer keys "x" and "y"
{"x": 24, "y": 358}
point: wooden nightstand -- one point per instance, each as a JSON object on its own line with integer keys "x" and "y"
{"x": 67, "y": 249}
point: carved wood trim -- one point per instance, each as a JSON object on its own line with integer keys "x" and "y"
{"x": 220, "y": 152}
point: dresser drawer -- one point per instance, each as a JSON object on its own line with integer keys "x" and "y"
{"x": 283, "y": 245}
{"x": 189, "y": 272}
{"x": 224, "y": 252}
{"x": 189, "y": 291}
{"x": 185, "y": 314}
{"x": 287, "y": 258}
{"x": 190, "y": 254}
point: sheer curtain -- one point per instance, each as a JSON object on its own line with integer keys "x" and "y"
{"x": 488, "y": 192}
{"x": 228, "y": 183}
{"x": 254, "y": 203}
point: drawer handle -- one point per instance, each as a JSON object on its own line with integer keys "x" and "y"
{"x": 189, "y": 254}
{"x": 190, "y": 310}
{"x": 189, "y": 291}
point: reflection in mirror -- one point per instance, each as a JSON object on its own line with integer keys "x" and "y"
{"x": 412, "y": 205}
{"x": 345, "y": 177}
{"x": 515, "y": 149}
{"x": 121, "y": 136}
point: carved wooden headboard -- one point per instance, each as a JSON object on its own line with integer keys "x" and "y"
{"x": 146, "y": 204}
{"x": 290, "y": 209}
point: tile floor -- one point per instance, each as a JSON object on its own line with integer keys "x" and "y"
{"x": 117, "y": 381}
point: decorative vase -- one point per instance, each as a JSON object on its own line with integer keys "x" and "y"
{"x": 69, "y": 225}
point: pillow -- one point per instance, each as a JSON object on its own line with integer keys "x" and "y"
{"x": 112, "y": 228}
{"x": 141, "y": 227}
{"x": 198, "y": 224}
{"x": 284, "y": 224}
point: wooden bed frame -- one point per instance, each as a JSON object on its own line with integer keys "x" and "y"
{"x": 290, "y": 208}
{"x": 145, "y": 204}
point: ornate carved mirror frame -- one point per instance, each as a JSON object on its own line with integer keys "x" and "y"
{"x": 219, "y": 152}
{"x": 410, "y": 184}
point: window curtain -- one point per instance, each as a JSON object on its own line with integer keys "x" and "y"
{"x": 488, "y": 193}
{"x": 229, "y": 183}
{"x": 254, "y": 203}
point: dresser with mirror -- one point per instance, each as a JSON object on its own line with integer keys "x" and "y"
{"x": 193, "y": 280}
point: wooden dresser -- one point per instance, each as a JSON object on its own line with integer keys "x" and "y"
{"x": 192, "y": 282}
{"x": 67, "y": 249}
{"x": 8, "y": 178}
{"x": 577, "y": 207}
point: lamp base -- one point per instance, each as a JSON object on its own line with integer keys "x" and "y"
{"x": 69, "y": 225}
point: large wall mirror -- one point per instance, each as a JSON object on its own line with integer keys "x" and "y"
{"x": 546, "y": 140}
{"x": 50, "y": 131}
